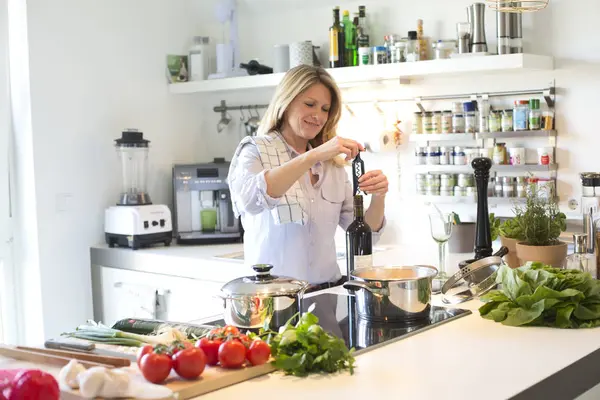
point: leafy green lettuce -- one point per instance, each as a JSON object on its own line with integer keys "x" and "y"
{"x": 540, "y": 295}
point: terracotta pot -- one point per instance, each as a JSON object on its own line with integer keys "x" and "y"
{"x": 511, "y": 258}
{"x": 552, "y": 255}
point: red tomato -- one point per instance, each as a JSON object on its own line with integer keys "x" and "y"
{"x": 232, "y": 354}
{"x": 178, "y": 346}
{"x": 155, "y": 367}
{"x": 189, "y": 363}
{"x": 244, "y": 339}
{"x": 259, "y": 352}
{"x": 231, "y": 330}
{"x": 216, "y": 332}
{"x": 142, "y": 352}
{"x": 210, "y": 347}
{"x": 33, "y": 384}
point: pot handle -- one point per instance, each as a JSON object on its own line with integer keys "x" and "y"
{"x": 502, "y": 251}
{"x": 356, "y": 285}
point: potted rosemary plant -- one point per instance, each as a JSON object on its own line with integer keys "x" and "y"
{"x": 537, "y": 227}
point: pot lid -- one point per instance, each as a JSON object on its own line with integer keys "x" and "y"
{"x": 264, "y": 284}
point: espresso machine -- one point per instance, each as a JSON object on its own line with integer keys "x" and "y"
{"x": 135, "y": 222}
{"x": 202, "y": 200}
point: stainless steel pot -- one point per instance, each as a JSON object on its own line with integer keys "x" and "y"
{"x": 251, "y": 301}
{"x": 392, "y": 293}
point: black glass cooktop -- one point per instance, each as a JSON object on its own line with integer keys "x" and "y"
{"x": 337, "y": 315}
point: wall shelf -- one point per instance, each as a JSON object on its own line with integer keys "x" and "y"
{"x": 516, "y": 134}
{"x": 495, "y": 168}
{"x": 441, "y": 137}
{"x": 469, "y": 200}
{"x": 401, "y": 72}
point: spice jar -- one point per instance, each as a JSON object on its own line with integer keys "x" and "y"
{"x": 465, "y": 180}
{"x": 500, "y": 157}
{"x": 460, "y": 191}
{"x": 521, "y": 186}
{"x": 490, "y": 187}
{"x": 470, "y": 117}
{"x": 421, "y": 183}
{"x": 459, "y": 156}
{"x": 379, "y": 55}
{"x": 427, "y": 122}
{"x": 447, "y": 191}
{"x": 548, "y": 124}
{"x": 447, "y": 121}
{"x": 535, "y": 120}
{"x": 436, "y": 122}
{"x": 420, "y": 155}
{"x": 508, "y": 187}
{"x": 470, "y": 191}
{"x": 470, "y": 155}
{"x": 417, "y": 126}
{"x": 507, "y": 121}
{"x": 521, "y": 115}
{"x": 447, "y": 180}
{"x": 433, "y": 155}
{"x": 458, "y": 123}
{"x": 446, "y": 156}
{"x": 495, "y": 121}
{"x": 498, "y": 187}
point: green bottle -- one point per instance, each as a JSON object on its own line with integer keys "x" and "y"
{"x": 351, "y": 59}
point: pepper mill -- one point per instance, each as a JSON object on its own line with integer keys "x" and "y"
{"x": 483, "y": 236}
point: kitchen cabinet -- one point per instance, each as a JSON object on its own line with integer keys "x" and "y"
{"x": 120, "y": 293}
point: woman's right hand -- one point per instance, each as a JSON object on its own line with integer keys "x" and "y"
{"x": 336, "y": 146}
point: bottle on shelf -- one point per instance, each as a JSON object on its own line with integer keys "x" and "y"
{"x": 336, "y": 41}
{"x": 351, "y": 54}
{"x": 359, "y": 241}
{"x": 362, "y": 36}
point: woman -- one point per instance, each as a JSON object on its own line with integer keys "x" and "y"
{"x": 290, "y": 187}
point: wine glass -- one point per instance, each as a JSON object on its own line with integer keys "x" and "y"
{"x": 441, "y": 230}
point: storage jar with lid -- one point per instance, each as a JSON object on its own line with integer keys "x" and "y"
{"x": 252, "y": 300}
{"x": 521, "y": 115}
{"x": 444, "y": 48}
{"x": 471, "y": 154}
{"x": 500, "y": 156}
{"x": 459, "y": 156}
{"x": 470, "y": 191}
{"x": 417, "y": 126}
{"x": 433, "y": 155}
{"x": 436, "y": 122}
{"x": 447, "y": 180}
{"x": 465, "y": 180}
{"x": 498, "y": 187}
{"x": 427, "y": 122}
{"x": 420, "y": 155}
{"x": 535, "y": 115}
{"x": 490, "y": 188}
{"x": 445, "y": 155}
{"x": 432, "y": 180}
{"x": 508, "y": 186}
{"x": 458, "y": 123}
{"x": 495, "y": 121}
{"x": 379, "y": 55}
{"x": 521, "y": 186}
{"x": 447, "y": 121}
{"x": 364, "y": 55}
{"x": 460, "y": 191}
{"x": 507, "y": 121}
{"x": 470, "y": 117}
{"x": 399, "y": 51}
{"x": 412, "y": 51}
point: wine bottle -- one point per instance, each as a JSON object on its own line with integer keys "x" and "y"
{"x": 336, "y": 41}
{"x": 359, "y": 240}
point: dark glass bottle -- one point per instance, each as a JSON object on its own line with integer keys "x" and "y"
{"x": 359, "y": 240}
{"x": 336, "y": 41}
{"x": 351, "y": 54}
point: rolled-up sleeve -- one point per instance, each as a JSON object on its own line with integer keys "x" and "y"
{"x": 347, "y": 213}
{"x": 248, "y": 185}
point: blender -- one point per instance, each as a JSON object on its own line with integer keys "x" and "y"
{"x": 135, "y": 222}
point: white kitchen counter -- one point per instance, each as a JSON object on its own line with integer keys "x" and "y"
{"x": 469, "y": 358}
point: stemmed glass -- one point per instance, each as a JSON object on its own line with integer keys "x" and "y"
{"x": 441, "y": 230}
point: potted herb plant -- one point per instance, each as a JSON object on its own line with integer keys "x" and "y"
{"x": 536, "y": 227}
{"x": 510, "y": 234}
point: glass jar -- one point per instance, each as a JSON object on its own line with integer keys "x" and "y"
{"x": 447, "y": 121}
{"x": 535, "y": 115}
{"x": 470, "y": 117}
{"x": 417, "y": 126}
{"x": 421, "y": 182}
{"x": 447, "y": 191}
{"x": 432, "y": 181}
{"x": 521, "y": 115}
{"x": 508, "y": 186}
{"x": 379, "y": 55}
{"x": 471, "y": 154}
{"x": 521, "y": 186}
{"x": 495, "y": 123}
{"x": 436, "y": 122}
{"x": 427, "y": 122}
{"x": 412, "y": 51}
{"x": 490, "y": 187}
{"x": 498, "y": 187}
{"x": 445, "y": 155}
{"x": 447, "y": 180}
{"x": 420, "y": 155}
{"x": 443, "y": 49}
{"x": 459, "y": 156}
{"x": 433, "y": 191}
{"x": 507, "y": 121}
{"x": 500, "y": 157}
{"x": 458, "y": 123}
{"x": 470, "y": 191}
{"x": 465, "y": 180}
{"x": 433, "y": 155}
{"x": 460, "y": 191}
{"x": 399, "y": 52}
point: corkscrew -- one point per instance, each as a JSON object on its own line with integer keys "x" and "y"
{"x": 358, "y": 169}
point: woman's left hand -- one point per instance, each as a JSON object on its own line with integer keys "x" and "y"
{"x": 373, "y": 182}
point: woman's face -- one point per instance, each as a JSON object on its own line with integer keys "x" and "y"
{"x": 308, "y": 112}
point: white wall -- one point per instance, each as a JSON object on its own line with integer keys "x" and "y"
{"x": 96, "y": 68}
{"x": 567, "y": 30}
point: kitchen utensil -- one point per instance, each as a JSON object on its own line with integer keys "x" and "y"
{"x": 358, "y": 169}
{"x": 516, "y": 30}
{"x": 223, "y": 122}
{"x": 38, "y": 357}
{"x": 463, "y": 31}
{"x": 462, "y": 239}
{"x": 392, "y": 293}
{"x": 467, "y": 283}
{"x": 477, "y": 18}
{"x": 483, "y": 238}
{"x": 503, "y": 22}
{"x": 252, "y": 123}
{"x": 441, "y": 230}
{"x": 251, "y": 302}
{"x": 81, "y": 356}
{"x": 478, "y": 277}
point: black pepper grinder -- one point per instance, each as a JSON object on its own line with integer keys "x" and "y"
{"x": 483, "y": 236}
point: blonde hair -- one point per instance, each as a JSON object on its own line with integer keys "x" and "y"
{"x": 296, "y": 81}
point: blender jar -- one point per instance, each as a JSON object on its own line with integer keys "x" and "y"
{"x": 132, "y": 150}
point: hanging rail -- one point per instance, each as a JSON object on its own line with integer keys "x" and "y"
{"x": 224, "y": 107}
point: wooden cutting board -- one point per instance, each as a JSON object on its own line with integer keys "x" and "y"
{"x": 213, "y": 378}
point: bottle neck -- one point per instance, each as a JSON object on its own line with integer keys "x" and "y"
{"x": 336, "y": 18}
{"x": 362, "y": 23}
{"x": 359, "y": 212}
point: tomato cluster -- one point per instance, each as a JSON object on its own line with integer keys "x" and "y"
{"x": 20, "y": 384}
{"x": 156, "y": 362}
{"x": 229, "y": 348}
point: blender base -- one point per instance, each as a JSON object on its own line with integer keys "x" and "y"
{"x": 138, "y": 241}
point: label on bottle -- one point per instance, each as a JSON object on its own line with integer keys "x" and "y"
{"x": 334, "y": 51}
{"x": 363, "y": 261}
